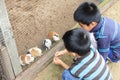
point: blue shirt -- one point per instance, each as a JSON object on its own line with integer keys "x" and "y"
{"x": 107, "y": 35}
{"x": 91, "y": 67}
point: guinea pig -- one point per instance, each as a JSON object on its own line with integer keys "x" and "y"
{"x": 35, "y": 52}
{"x": 47, "y": 43}
{"x": 26, "y": 59}
{"x": 53, "y": 36}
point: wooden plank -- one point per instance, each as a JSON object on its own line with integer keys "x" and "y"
{"x": 9, "y": 38}
{"x": 1, "y": 36}
{"x": 105, "y": 4}
{"x": 39, "y": 65}
{"x": 6, "y": 64}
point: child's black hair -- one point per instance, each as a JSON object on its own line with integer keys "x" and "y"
{"x": 77, "y": 41}
{"x": 86, "y": 13}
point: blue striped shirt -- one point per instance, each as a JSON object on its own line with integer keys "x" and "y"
{"x": 91, "y": 67}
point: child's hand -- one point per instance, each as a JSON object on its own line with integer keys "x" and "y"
{"x": 56, "y": 60}
{"x": 59, "y": 53}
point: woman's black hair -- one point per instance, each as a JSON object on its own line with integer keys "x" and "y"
{"x": 87, "y": 13}
{"x": 77, "y": 41}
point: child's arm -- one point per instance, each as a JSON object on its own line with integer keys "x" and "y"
{"x": 56, "y": 60}
{"x": 104, "y": 46}
{"x": 62, "y": 52}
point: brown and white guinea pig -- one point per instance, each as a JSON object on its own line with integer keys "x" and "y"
{"x": 26, "y": 59}
{"x": 35, "y": 52}
{"x": 47, "y": 43}
{"x": 53, "y": 36}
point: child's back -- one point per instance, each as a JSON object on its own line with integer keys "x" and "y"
{"x": 106, "y": 30}
{"x": 108, "y": 37}
{"x": 89, "y": 64}
{"x": 91, "y": 67}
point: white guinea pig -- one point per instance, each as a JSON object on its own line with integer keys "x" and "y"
{"x": 47, "y": 43}
{"x": 26, "y": 59}
{"x": 35, "y": 52}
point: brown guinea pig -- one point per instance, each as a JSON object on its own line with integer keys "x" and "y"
{"x": 35, "y": 52}
{"x": 26, "y": 59}
{"x": 53, "y": 36}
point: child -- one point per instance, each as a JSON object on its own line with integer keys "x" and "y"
{"x": 88, "y": 65}
{"x": 106, "y": 31}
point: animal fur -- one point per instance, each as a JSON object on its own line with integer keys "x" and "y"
{"x": 26, "y": 59}
{"x": 53, "y": 36}
{"x": 47, "y": 43}
{"x": 35, "y": 52}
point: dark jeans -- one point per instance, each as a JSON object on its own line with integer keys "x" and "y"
{"x": 67, "y": 76}
{"x": 112, "y": 57}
